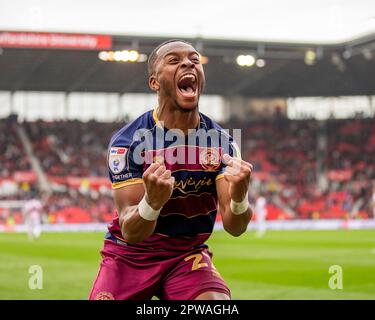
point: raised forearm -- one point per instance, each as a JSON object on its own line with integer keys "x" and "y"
{"x": 138, "y": 222}
{"x": 134, "y": 228}
{"x": 236, "y": 224}
{"x": 233, "y": 195}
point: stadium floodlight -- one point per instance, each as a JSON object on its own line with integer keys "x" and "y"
{"x": 122, "y": 56}
{"x": 142, "y": 57}
{"x": 260, "y": 63}
{"x": 245, "y": 60}
{"x": 133, "y": 55}
{"x": 103, "y": 55}
{"x": 310, "y": 57}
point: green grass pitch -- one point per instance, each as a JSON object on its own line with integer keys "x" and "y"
{"x": 281, "y": 265}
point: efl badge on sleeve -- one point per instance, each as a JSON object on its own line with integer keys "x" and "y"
{"x": 116, "y": 159}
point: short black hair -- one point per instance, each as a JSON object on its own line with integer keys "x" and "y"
{"x": 153, "y": 56}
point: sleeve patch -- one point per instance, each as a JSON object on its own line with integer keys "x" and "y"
{"x": 116, "y": 159}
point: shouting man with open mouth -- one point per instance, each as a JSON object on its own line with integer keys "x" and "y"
{"x": 172, "y": 169}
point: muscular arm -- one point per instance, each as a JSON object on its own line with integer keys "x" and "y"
{"x": 157, "y": 188}
{"x": 234, "y": 186}
{"x": 133, "y": 227}
{"x": 233, "y": 224}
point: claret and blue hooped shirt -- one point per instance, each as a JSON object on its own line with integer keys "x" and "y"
{"x": 187, "y": 219}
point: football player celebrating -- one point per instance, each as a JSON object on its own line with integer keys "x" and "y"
{"x": 166, "y": 209}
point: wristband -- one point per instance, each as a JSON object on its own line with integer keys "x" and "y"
{"x": 239, "y": 207}
{"x": 146, "y": 212}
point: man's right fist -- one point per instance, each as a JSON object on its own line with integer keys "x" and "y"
{"x": 159, "y": 184}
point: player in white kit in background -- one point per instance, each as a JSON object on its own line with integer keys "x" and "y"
{"x": 33, "y": 217}
{"x": 261, "y": 215}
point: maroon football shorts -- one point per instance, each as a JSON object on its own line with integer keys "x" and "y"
{"x": 128, "y": 272}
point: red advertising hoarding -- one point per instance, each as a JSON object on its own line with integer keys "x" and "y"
{"x": 55, "y": 40}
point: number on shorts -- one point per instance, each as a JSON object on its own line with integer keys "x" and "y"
{"x": 196, "y": 263}
{"x": 213, "y": 268}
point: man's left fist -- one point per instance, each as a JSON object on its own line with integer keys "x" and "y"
{"x": 237, "y": 173}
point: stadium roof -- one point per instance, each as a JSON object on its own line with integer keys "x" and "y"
{"x": 266, "y": 20}
{"x": 335, "y": 69}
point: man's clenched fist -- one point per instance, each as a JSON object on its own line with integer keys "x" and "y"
{"x": 237, "y": 173}
{"x": 158, "y": 184}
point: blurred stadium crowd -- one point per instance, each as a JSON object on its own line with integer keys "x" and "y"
{"x": 307, "y": 169}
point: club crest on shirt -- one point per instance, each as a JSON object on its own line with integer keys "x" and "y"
{"x": 210, "y": 158}
{"x": 104, "y": 296}
{"x": 116, "y": 159}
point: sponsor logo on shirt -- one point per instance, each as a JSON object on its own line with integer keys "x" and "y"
{"x": 118, "y": 151}
{"x": 123, "y": 176}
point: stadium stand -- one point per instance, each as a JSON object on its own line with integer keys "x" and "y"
{"x": 288, "y": 167}
{"x": 11, "y": 150}
{"x": 71, "y": 147}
